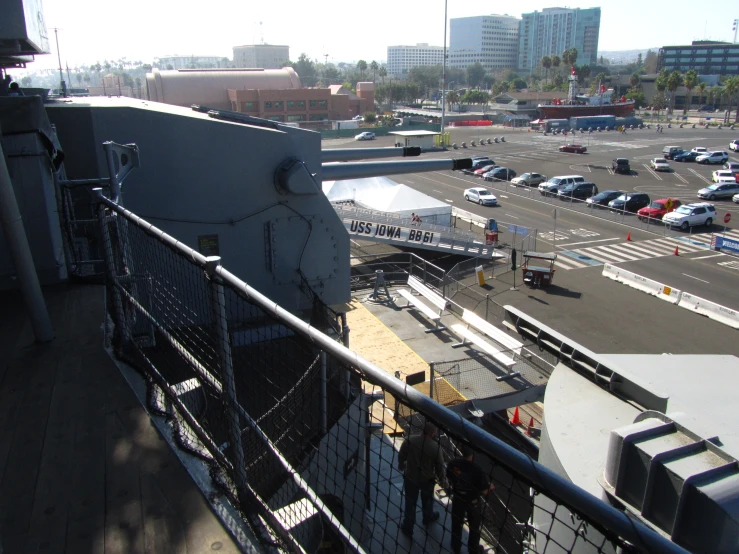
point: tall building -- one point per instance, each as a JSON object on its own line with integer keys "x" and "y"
{"x": 400, "y": 59}
{"x": 554, "y": 30}
{"x": 192, "y": 62}
{"x": 263, "y": 56}
{"x": 705, "y": 57}
{"x": 491, "y": 40}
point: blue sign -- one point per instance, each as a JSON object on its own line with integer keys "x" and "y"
{"x": 708, "y": 119}
{"x": 518, "y": 230}
{"x": 721, "y": 243}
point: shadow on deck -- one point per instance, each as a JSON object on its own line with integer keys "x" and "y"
{"x": 82, "y": 466}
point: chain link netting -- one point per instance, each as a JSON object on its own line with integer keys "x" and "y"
{"x": 303, "y": 436}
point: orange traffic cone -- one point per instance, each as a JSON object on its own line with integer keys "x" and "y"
{"x": 628, "y": 237}
{"x": 516, "y": 419}
{"x": 530, "y": 427}
{"x": 676, "y": 252}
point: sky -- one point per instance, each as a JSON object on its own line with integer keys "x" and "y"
{"x": 345, "y": 31}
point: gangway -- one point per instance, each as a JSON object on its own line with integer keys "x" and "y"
{"x": 385, "y": 227}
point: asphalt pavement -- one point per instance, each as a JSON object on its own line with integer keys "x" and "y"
{"x": 585, "y": 239}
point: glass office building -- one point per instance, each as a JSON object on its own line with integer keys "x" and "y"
{"x": 491, "y": 40}
{"x": 554, "y": 30}
{"x": 400, "y": 59}
{"x": 705, "y": 57}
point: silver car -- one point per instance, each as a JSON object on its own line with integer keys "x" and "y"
{"x": 719, "y": 190}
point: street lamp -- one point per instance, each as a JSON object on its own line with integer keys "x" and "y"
{"x": 443, "y": 78}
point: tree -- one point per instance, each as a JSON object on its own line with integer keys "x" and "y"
{"x": 673, "y": 82}
{"x": 650, "y": 62}
{"x": 546, "y": 63}
{"x": 638, "y": 97}
{"x": 731, "y": 87}
{"x": 639, "y": 60}
{"x": 382, "y": 73}
{"x": 331, "y": 76}
{"x": 370, "y": 117}
{"x": 714, "y": 95}
{"x": 475, "y": 74}
{"x": 659, "y": 102}
{"x": 558, "y": 80}
{"x": 634, "y": 80}
{"x": 452, "y": 97}
{"x": 362, "y": 67}
{"x": 306, "y": 70}
{"x": 374, "y": 67}
{"x": 583, "y": 73}
{"x": 597, "y": 82}
{"x": 26, "y": 81}
{"x": 555, "y": 61}
{"x": 690, "y": 80}
{"x": 519, "y": 83}
{"x": 701, "y": 88}
{"x": 138, "y": 85}
{"x": 79, "y": 78}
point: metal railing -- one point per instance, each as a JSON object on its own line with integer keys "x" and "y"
{"x": 300, "y": 431}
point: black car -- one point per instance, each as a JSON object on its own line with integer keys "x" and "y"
{"x": 478, "y": 163}
{"x": 621, "y": 165}
{"x": 602, "y": 199}
{"x": 578, "y": 191}
{"x": 630, "y": 202}
{"x": 500, "y": 174}
{"x": 685, "y": 156}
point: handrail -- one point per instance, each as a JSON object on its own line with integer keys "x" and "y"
{"x": 545, "y": 480}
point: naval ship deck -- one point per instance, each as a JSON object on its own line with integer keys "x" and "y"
{"x": 82, "y": 467}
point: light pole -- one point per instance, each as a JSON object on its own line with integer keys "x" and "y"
{"x": 59, "y": 56}
{"x": 443, "y": 78}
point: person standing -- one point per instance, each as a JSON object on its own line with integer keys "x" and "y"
{"x": 469, "y": 485}
{"x": 421, "y": 461}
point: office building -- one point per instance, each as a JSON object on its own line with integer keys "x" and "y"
{"x": 705, "y": 57}
{"x": 400, "y": 59}
{"x": 262, "y": 56}
{"x": 192, "y": 62}
{"x": 554, "y": 30}
{"x": 491, "y": 40}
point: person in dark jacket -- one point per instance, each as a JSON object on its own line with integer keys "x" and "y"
{"x": 469, "y": 486}
{"x": 421, "y": 461}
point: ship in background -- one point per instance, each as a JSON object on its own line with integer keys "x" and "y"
{"x": 585, "y": 105}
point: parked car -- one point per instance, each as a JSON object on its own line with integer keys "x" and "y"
{"x": 732, "y": 166}
{"x": 719, "y": 190}
{"x": 357, "y": 118}
{"x": 658, "y": 209}
{"x": 576, "y": 148}
{"x": 499, "y": 174}
{"x": 734, "y": 145}
{"x": 713, "y": 158}
{"x": 478, "y": 163}
{"x": 700, "y": 150}
{"x": 602, "y": 199}
{"x": 706, "y": 108}
{"x": 484, "y": 169}
{"x": 717, "y": 175}
{"x": 621, "y": 165}
{"x": 735, "y": 198}
{"x": 659, "y": 164}
{"x": 630, "y": 202}
{"x": 552, "y": 186}
{"x": 530, "y": 179}
{"x": 669, "y": 151}
{"x": 685, "y": 156}
{"x": 578, "y": 191}
{"x": 366, "y": 135}
{"x": 690, "y": 215}
{"x": 480, "y": 195}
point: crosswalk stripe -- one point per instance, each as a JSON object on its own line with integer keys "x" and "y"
{"x": 616, "y": 253}
{"x": 629, "y": 251}
{"x": 566, "y": 263}
{"x": 651, "y": 250}
{"x": 682, "y": 244}
{"x": 592, "y": 253}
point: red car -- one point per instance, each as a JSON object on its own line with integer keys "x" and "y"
{"x": 657, "y": 209}
{"x": 576, "y": 148}
{"x": 479, "y": 172}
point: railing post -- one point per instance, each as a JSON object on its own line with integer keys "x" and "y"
{"x": 324, "y": 399}
{"x": 218, "y": 306}
{"x": 431, "y": 379}
{"x": 345, "y": 385}
{"x": 424, "y": 272}
{"x": 121, "y": 330}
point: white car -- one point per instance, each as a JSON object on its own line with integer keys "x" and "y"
{"x": 530, "y": 179}
{"x": 480, "y": 195}
{"x": 700, "y": 150}
{"x": 734, "y": 145}
{"x": 735, "y": 198}
{"x": 660, "y": 164}
{"x": 690, "y": 215}
{"x": 357, "y": 118}
{"x": 713, "y": 158}
{"x": 722, "y": 173}
{"x": 365, "y": 136}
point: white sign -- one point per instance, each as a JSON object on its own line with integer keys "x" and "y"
{"x": 371, "y": 229}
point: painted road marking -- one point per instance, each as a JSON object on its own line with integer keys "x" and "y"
{"x": 683, "y": 179}
{"x": 696, "y": 278}
{"x": 550, "y": 236}
{"x": 584, "y": 233}
{"x": 701, "y": 177}
{"x": 652, "y": 172}
{"x": 730, "y": 265}
{"x": 715, "y": 256}
{"x": 587, "y": 242}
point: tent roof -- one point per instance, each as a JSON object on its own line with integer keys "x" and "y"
{"x": 380, "y": 193}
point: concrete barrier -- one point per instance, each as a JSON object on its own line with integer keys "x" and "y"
{"x": 709, "y": 309}
{"x": 661, "y": 291}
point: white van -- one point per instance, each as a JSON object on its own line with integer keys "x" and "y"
{"x": 723, "y": 174}
{"x": 552, "y": 186}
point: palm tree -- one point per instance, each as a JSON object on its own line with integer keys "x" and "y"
{"x": 382, "y": 73}
{"x": 374, "y": 67}
{"x": 701, "y": 88}
{"x": 690, "y": 80}
{"x": 731, "y": 87}
{"x": 673, "y": 82}
{"x": 546, "y": 63}
{"x": 452, "y": 97}
{"x": 573, "y": 55}
{"x": 566, "y": 57}
{"x": 634, "y": 80}
{"x": 556, "y": 61}
{"x": 583, "y": 73}
{"x": 362, "y": 67}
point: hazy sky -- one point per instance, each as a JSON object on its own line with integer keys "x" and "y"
{"x": 94, "y": 30}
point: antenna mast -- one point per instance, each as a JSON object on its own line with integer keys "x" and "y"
{"x": 59, "y": 57}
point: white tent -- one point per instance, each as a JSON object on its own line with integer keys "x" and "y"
{"x": 385, "y": 195}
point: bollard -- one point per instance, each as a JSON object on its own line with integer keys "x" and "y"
{"x": 502, "y": 139}
{"x": 464, "y": 145}
{"x": 454, "y": 145}
{"x": 472, "y": 143}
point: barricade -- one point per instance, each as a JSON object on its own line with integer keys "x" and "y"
{"x": 643, "y": 284}
{"x": 709, "y": 309}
